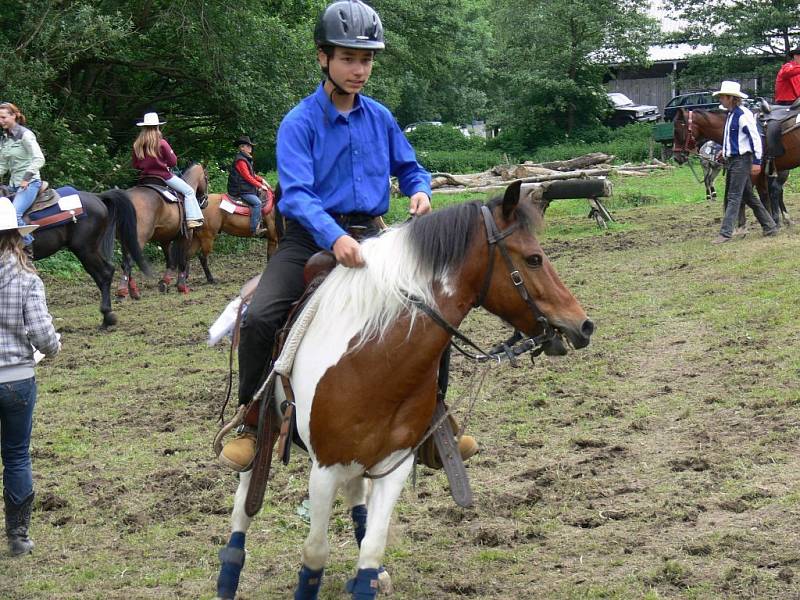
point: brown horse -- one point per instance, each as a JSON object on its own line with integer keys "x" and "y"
{"x": 216, "y": 220}
{"x": 365, "y": 372}
{"x": 160, "y": 221}
{"x": 692, "y": 128}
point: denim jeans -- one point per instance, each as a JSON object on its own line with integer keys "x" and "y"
{"x": 22, "y": 202}
{"x": 255, "y": 210}
{"x": 190, "y": 203}
{"x": 17, "y": 399}
{"x": 738, "y": 188}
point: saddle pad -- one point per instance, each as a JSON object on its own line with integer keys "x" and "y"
{"x": 235, "y": 206}
{"x": 165, "y": 193}
{"x": 56, "y": 215}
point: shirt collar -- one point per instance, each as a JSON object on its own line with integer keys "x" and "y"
{"x": 328, "y": 107}
{"x": 15, "y": 133}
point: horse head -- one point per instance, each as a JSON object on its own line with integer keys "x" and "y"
{"x": 197, "y": 177}
{"x": 683, "y": 136}
{"x": 520, "y": 283}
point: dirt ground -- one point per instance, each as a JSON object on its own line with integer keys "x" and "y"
{"x": 660, "y": 462}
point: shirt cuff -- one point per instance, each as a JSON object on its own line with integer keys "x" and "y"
{"x": 756, "y": 161}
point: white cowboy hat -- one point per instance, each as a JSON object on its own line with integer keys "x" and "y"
{"x": 730, "y": 88}
{"x": 8, "y": 218}
{"x": 150, "y": 120}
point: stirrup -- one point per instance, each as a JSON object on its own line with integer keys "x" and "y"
{"x": 236, "y": 421}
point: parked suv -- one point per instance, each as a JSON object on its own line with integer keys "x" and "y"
{"x": 626, "y": 112}
{"x": 690, "y": 101}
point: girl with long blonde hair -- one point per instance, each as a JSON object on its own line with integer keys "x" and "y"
{"x": 153, "y": 156}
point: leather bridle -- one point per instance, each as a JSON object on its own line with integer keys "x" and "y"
{"x": 689, "y": 141}
{"x": 495, "y": 240}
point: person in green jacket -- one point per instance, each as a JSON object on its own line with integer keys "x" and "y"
{"x": 20, "y": 157}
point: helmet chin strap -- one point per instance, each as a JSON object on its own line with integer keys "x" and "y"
{"x": 337, "y": 89}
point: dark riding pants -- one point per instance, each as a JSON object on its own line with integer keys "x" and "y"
{"x": 281, "y": 286}
{"x": 738, "y": 189}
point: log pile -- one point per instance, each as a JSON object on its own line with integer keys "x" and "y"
{"x": 596, "y": 164}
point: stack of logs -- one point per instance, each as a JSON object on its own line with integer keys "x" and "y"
{"x": 596, "y": 164}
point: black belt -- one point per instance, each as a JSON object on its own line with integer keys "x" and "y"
{"x": 346, "y": 220}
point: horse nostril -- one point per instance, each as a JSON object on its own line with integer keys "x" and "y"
{"x": 587, "y": 329}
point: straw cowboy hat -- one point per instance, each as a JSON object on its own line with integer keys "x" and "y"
{"x": 730, "y": 88}
{"x": 150, "y": 120}
{"x": 8, "y": 218}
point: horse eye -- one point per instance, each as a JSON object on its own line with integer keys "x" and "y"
{"x": 534, "y": 261}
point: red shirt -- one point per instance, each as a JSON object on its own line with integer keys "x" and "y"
{"x": 787, "y": 83}
{"x": 244, "y": 170}
{"x": 158, "y": 166}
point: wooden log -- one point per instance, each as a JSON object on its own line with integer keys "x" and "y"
{"x": 580, "y": 162}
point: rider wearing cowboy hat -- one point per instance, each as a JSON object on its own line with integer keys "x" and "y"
{"x": 787, "y": 83}
{"x": 152, "y": 155}
{"x": 244, "y": 183}
{"x": 741, "y": 147}
{"x": 336, "y": 150}
{"x": 25, "y": 324}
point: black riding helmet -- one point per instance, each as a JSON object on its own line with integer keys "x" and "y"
{"x": 349, "y": 24}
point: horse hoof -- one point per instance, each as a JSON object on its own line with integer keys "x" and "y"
{"x": 385, "y": 586}
{"x": 121, "y": 293}
{"x": 163, "y": 286}
{"x": 109, "y": 319}
{"x": 135, "y": 293}
{"x": 183, "y": 288}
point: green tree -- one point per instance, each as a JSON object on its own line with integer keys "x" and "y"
{"x": 552, "y": 58}
{"x": 750, "y": 38}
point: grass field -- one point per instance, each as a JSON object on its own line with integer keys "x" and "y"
{"x": 660, "y": 462}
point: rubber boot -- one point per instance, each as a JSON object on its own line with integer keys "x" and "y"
{"x": 18, "y": 520}
{"x": 308, "y": 584}
{"x": 365, "y": 585}
{"x": 232, "y": 558}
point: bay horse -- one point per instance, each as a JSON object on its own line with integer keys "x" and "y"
{"x": 692, "y": 128}
{"x": 91, "y": 240}
{"x": 364, "y": 377}
{"x": 160, "y": 221}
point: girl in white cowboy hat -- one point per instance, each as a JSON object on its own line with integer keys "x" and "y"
{"x": 24, "y": 324}
{"x": 741, "y": 147}
{"x": 152, "y": 155}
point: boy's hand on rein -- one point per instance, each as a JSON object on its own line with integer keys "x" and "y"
{"x": 419, "y": 204}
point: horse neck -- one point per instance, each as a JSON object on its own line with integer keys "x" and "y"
{"x": 193, "y": 176}
{"x": 708, "y": 129}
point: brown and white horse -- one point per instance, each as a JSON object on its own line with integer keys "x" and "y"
{"x": 159, "y": 221}
{"x": 365, "y": 372}
{"x": 692, "y": 128}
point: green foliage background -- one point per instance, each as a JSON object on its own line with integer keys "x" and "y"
{"x": 85, "y": 71}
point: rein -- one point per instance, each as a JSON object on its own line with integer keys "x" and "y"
{"x": 506, "y": 350}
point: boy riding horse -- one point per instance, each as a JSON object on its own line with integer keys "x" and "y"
{"x": 335, "y": 151}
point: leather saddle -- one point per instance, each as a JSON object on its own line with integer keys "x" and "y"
{"x": 236, "y": 205}
{"x": 160, "y": 186}
{"x": 776, "y": 121}
{"x": 46, "y": 197}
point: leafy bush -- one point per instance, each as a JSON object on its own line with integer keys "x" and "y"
{"x": 628, "y": 144}
{"x": 458, "y": 161}
{"x": 443, "y": 138}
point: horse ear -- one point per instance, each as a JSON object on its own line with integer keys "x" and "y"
{"x": 511, "y": 198}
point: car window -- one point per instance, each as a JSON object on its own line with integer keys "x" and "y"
{"x": 674, "y": 102}
{"x": 692, "y": 99}
{"x": 707, "y": 99}
{"x": 619, "y": 99}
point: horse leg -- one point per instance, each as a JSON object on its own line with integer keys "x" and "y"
{"x": 102, "y": 272}
{"x": 127, "y": 266}
{"x": 232, "y": 555}
{"x": 322, "y": 487}
{"x": 385, "y": 492}
{"x": 355, "y": 492}
{"x": 166, "y": 278}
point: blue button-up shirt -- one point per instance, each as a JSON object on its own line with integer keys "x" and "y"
{"x": 331, "y": 164}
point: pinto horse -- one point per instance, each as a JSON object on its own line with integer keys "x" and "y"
{"x": 91, "y": 240}
{"x": 160, "y": 221}
{"x": 365, "y": 373}
{"x": 692, "y": 128}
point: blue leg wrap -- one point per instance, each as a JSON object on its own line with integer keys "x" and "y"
{"x": 232, "y": 559}
{"x": 359, "y": 514}
{"x": 365, "y": 585}
{"x": 308, "y": 584}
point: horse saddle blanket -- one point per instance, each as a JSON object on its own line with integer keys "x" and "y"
{"x": 67, "y": 208}
{"x": 236, "y": 206}
{"x": 159, "y": 185}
